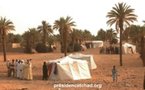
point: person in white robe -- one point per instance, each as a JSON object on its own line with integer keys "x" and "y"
{"x": 18, "y": 69}
{"x": 29, "y": 70}
{"x": 25, "y": 66}
{"x": 8, "y": 67}
{"x": 21, "y": 69}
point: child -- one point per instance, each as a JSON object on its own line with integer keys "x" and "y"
{"x": 114, "y": 74}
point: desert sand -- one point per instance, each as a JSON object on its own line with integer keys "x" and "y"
{"x": 130, "y": 75}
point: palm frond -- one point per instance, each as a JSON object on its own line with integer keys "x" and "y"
{"x": 121, "y": 11}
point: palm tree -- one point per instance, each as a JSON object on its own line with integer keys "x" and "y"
{"x": 74, "y": 37}
{"x": 101, "y": 35}
{"x": 45, "y": 28}
{"x": 87, "y": 35}
{"x": 64, "y": 26}
{"x": 125, "y": 35}
{"x": 121, "y": 15}
{"x": 110, "y": 35}
{"x": 30, "y": 39}
{"x": 5, "y": 27}
{"x": 135, "y": 33}
{"x": 34, "y": 36}
{"x": 27, "y": 41}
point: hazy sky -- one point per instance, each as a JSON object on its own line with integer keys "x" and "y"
{"x": 88, "y": 14}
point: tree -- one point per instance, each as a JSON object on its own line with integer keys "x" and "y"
{"x": 45, "y": 28}
{"x": 125, "y": 34}
{"x": 14, "y": 38}
{"x": 101, "y": 35}
{"x": 30, "y": 39}
{"x": 74, "y": 38}
{"x": 5, "y": 27}
{"x": 87, "y": 35}
{"x": 26, "y": 41}
{"x": 135, "y": 33}
{"x": 64, "y": 26}
{"x": 77, "y": 35}
{"x": 121, "y": 15}
{"x": 110, "y": 35}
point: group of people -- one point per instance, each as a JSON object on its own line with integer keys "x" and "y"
{"x": 109, "y": 50}
{"x": 21, "y": 69}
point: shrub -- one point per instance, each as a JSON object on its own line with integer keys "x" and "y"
{"x": 77, "y": 47}
{"x": 42, "y": 48}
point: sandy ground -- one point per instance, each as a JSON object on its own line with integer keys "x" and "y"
{"x": 130, "y": 75}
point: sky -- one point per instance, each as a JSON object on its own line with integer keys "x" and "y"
{"x": 88, "y": 14}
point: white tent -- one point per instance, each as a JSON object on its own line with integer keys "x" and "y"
{"x": 129, "y": 48}
{"x": 95, "y": 44}
{"x": 88, "y": 58}
{"x": 69, "y": 69}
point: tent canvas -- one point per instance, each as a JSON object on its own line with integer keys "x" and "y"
{"x": 88, "y": 58}
{"x": 129, "y": 48}
{"x": 69, "y": 69}
{"x": 95, "y": 44}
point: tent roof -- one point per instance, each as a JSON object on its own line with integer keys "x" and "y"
{"x": 66, "y": 59}
{"x": 88, "y": 58}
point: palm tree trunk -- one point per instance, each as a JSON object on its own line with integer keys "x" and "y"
{"x": 65, "y": 44}
{"x": 73, "y": 42}
{"x": 121, "y": 48}
{"x": 121, "y": 29}
{"x": 4, "y": 46}
{"x": 65, "y": 50}
{"x": 142, "y": 50}
{"x": 44, "y": 37}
